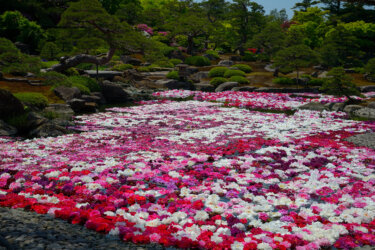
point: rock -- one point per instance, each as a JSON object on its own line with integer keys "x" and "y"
{"x": 337, "y": 107}
{"x": 206, "y": 87}
{"x": 236, "y": 58}
{"x": 315, "y": 74}
{"x": 368, "y": 113}
{"x": 244, "y": 89}
{"x": 319, "y": 67}
{"x": 226, "y": 63}
{"x": 113, "y": 93}
{"x": 180, "y": 85}
{"x": 67, "y": 93}
{"x": 349, "y": 71}
{"x": 177, "y": 55}
{"x": 9, "y": 105}
{"x": 210, "y": 57}
{"x": 48, "y": 129}
{"x": 77, "y": 104}
{"x": 197, "y": 77}
{"x": 100, "y": 95}
{"x": 25, "y": 48}
{"x": 91, "y": 98}
{"x": 323, "y": 74}
{"x": 269, "y": 68}
{"x": 313, "y": 106}
{"x": 287, "y": 90}
{"x": 351, "y": 108}
{"x": 63, "y": 111}
{"x": 371, "y": 105}
{"x": 90, "y": 107}
{"x": 132, "y": 74}
{"x": 6, "y": 129}
{"x": 329, "y": 105}
{"x": 139, "y": 94}
{"x": 163, "y": 82}
{"x": 370, "y": 88}
{"x": 130, "y": 60}
{"x": 35, "y": 120}
{"x": 192, "y": 70}
{"x": 105, "y": 74}
{"x": 226, "y": 86}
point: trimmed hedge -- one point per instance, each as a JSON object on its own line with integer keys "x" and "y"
{"x": 284, "y": 81}
{"x": 316, "y": 82}
{"x": 175, "y": 61}
{"x": 249, "y": 57}
{"x": 245, "y": 68}
{"x": 198, "y": 61}
{"x": 217, "y": 72}
{"x": 234, "y": 72}
{"x": 239, "y": 79}
{"x": 89, "y": 83}
{"x": 32, "y": 98}
{"x": 217, "y": 81}
{"x": 173, "y": 75}
{"x": 122, "y": 67}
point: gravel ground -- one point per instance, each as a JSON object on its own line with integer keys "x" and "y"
{"x": 367, "y": 140}
{"x": 20, "y": 229}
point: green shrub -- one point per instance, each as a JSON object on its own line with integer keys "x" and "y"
{"x": 85, "y": 66}
{"x": 7, "y": 46}
{"x": 49, "y": 51}
{"x": 263, "y": 58}
{"x": 306, "y": 76}
{"x": 48, "y": 64}
{"x": 50, "y": 115}
{"x": 283, "y": 81}
{"x": 316, "y": 82}
{"x": 198, "y": 61}
{"x": 175, "y": 61}
{"x": 249, "y": 57}
{"x": 239, "y": 79}
{"x": 89, "y": 83}
{"x": 163, "y": 64}
{"x": 84, "y": 90}
{"x": 122, "y": 67}
{"x": 217, "y": 81}
{"x": 72, "y": 72}
{"x": 217, "y": 72}
{"x": 213, "y": 53}
{"x": 54, "y": 78}
{"x": 234, "y": 72}
{"x": 245, "y": 68}
{"x": 32, "y": 99}
{"x": 359, "y": 70}
{"x": 370, "y": 67}
{"x": 173, "y": 75}
{"x": 144, "y": 69}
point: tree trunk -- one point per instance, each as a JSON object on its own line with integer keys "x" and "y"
{"x": 190, "y": 45}
{"x": 82, "y": 58}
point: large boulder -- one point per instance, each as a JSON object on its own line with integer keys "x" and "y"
{"x": 162, "y": 83}
{"x": 105, "y": 74}
{"x": 77, "y": 105}
{"x": 9, "y": 105}
{"x": 6, "y": 129}
{"x": 114, "y": 93}
{"x": 180, "y": 85}
{"x": 244, "y": 89}
{"x": 351, "y": 108}
{"x": 197, "y": 77}
{"x": 226, "y": 63}
{"x": 63, "y": 111}
{"x": 205, "y": 87}
{"x": 313, "y": 106}
{"x": 269, "y": 68}
{"x": 371, "y": 105}
{"x": 366, "y": 89}
{"x": 67, "y": 93}
{"x": 130, "y": 60}
{"x": 35, "y": 120}
{"x": 365, "y": 113}
{"x": 226, "y": 86}
{"x": 338, "y": 107}
{"x": 91, "y": 98}
{"x": 48, "y": 129}
{"x": 136, "y": 94}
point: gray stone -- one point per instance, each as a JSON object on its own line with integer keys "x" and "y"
{"x": 368, "y": 113}
{"x": 338, "y": 107}
{"x": 226, "y": 86}
{"x": 34, "y": 120}
{"x": 6, "y": 129}
{"x": 371, "y": 105}
{"x": 131, "y": 60}
{"x": 91, "y": 98}
{"x": 244, "y": 89}
{"x": 67, "y": 93}
{"x": 323, "y": 74}
{"x": 48, "y": 129}
{"x": 114, "y": 93}
{"x": 105, "y": 74}
{"x": 269, "y": 68}
{"x": 206, "y": 87}
{"x": 351, "y": 108}
{"x": 210, "y": 57}
{"x": 197, "y": 77}
{"x": 139, "y": 94}
{"x": 313, "y": 106}
{"x": 9, "y": 105}
{"x": 180, "y": 85}
{"x": 77, "y": 104}
{"x": 100, "y": 95}
{"x": 370, "y": 88}
{"x": 163, "y": 82}
{"x": 226, "y": 63}
{"x": 329, "y": 106}
{"x": 236, "y": 58}
{"x": 63, "y": 111}
{"x": 192, "y": 70}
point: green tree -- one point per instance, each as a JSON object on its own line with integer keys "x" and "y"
{"x": 49, "y": 51}
{"x": 130, "y": 11}
{"x": 215, "y": 9}
{"x": 295, "y": 58}
{"x": 370, "y": 67}
{"x": 305, "y": 4}
{"x": 89, "y": 17}
{"x": 340, "y": 84}
{"x": 271, "y": 39}
{"x": 278, "y": 16}
{"x": 247, "y": 18}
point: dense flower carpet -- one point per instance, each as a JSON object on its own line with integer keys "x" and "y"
{"x": 198, "y": 174}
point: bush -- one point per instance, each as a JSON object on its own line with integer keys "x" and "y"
{"x": 49, "y": 51}
{"x": 32, "y": 99}
{"x": 213, "y": 53}
{"x": 144, "y": 69}
{"x": 54, "y": 78}
{"x": 175, "y": 61}
{"x": 245, "y": 68}
{"x": 85, "y": 81}
{"x": 122, "y": 67}
{"x": 234, "y": 72}
{"x": 163, "y": 64}
{"x": 217, "y": 81}
{"x": 85, "y": 66}
{"x": 84, "y": 90}
{"x": 217, "y": 72}
{"x": 284, "y": 81}
{"x": 173, "y": 75}
{"x": 198, "y": 61}
{"x": 249, "y": 57}
{"x": 72, "y": 72}
{"x": 316, "y": 82}
{"x": 370, "y": 67}
{"x": 48, "y": 64}
{"x": 239, "y": 79}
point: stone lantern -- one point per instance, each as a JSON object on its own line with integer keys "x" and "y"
{"x": 183, "y": 72}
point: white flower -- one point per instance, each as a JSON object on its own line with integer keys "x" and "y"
{"x": 109, "y": 213}
{"x": 53, "y": 174}
{"x": 153, "y": 223}
{"x": 237, "y": 246}
{"x": 264, "y": 246}
{"x": 201, "y": 215}
{"x": 174, "y": 174}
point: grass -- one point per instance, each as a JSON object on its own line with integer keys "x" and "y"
{"x": 49, "y": 64}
